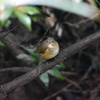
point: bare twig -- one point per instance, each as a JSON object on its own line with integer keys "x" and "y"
{"x": 73, "y": 83}
{"x": 42, "y": 37}
{"x": 54, "y": 94}
{"x": 16, "y": 69}
{"x": 86, "y": 74}
{"x": 10, "y": 30}
{"x": 68, "y": 73}
{"x": 81, "y": 22}
{"x": 6, "y": 39}
{"x": 16, "y": 52}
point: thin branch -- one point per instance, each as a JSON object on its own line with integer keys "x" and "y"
{"x": 14, "y": 43}
{"x": 86, "y": 74}
{"x": 16, "y": 69}
{"x": 10, "y": 30}
{"x": 73, "y": 83}
{"x": 54, "y": 94}
{"x": 82, "y": 21}
{"x": 6, "y": 39}
{"x": 35, "y": 72}
{"x": 42, "y": 37}
{"x": 68, "y": 73}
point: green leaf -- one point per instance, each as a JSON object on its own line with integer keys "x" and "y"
{"x": 98, "y": 43}
{"x": 55, "y": 72}
{"x": 5, "y": 14}
{"x": 45, "y": 79}
{"x": 62, "y": 65}
{"x": 34, "y": 57}
{"x": 28, "y": 10}
{"x": 24, "y": 18}
{"x": 36, "y": 54}
{"x": 1, "y": 44}
{"x": 95, "y": 3}
{"x": 31, "y": 50}
{"x": 34, "y": 17}
{"x": 23, "y": 56}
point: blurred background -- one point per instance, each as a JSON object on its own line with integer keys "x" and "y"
{"x": 24, "y": 23}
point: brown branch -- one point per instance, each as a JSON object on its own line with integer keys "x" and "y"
{"x": 10, "y": 31}
{"x": 16, "y": 69}
{"x": 54, "y": 94}
{"x": 35, "y": 72}
{"x": 16, "y": 51}
{"x": 73, "y": 83}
